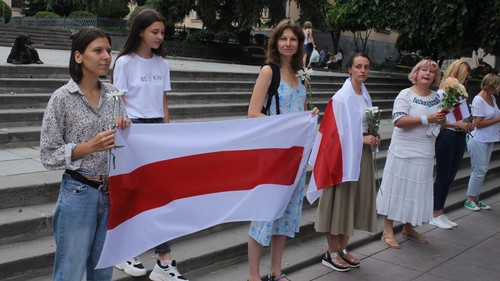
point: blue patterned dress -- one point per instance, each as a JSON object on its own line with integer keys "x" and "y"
{"x": 291, "y": 100}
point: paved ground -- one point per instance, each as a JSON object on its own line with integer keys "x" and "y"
{"x": 469, "y": 252}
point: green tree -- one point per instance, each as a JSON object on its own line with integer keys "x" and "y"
{"x": 458, "y": 26}
{"x": 360, "y": 17}
{"x": 5, "y": 12}
{"x": 30, "y": 7}
{"x": 174, "y": 11}
{"x": 64, "y": 7}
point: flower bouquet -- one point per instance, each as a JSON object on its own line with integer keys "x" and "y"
{"x": 454, "y": 92}
{"x": 115, "y": 96}
{"x": 305, "y": 75}
{"x": 373, "y": 115}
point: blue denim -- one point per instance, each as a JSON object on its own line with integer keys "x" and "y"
{"x": 480, "y": 154}
{"x": 164, "y": 247}
{"x": 79, "y": 223}
{"x": 450, "y": 148}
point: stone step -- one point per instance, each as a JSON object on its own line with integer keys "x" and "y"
{"x": 30, "y": 100}
{"x": 48, "y": 85}
{"x": 224, "y": 258}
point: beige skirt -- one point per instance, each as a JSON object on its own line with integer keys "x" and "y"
{"x": 351, "y": 205}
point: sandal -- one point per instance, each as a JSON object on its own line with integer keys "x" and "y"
{"x": 413, "y": 235}
{"x": 328, "y": 260}
{"x": 390, "y": 241}
{"x": 282, "y": 277}
{"x": 353, "y": 262}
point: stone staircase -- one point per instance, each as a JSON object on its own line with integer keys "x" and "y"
{"x": 43, "y": 38}
{"x": 27, "y": 200}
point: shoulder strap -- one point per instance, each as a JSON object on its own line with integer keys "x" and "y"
{"x": 273, "y": 89}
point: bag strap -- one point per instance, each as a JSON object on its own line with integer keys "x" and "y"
{"x": 273, "y": 89}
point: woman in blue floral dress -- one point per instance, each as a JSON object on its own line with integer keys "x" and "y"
{"x": 285, "y": 50}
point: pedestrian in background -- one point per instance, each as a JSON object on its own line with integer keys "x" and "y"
{"x": 76, "y": 136}
{"x": 309, "y": 44}
{"x": 142, "y": 72}
{"x": 486, "y": 116}
{"x": 405, "y": 193}
{"x": 286, "y": 51}
{"x": 450, "y": 145}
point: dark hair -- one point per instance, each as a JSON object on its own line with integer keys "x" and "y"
{"x": 350, "y": 62}
{"x": 80, "y": 42}
{"x": 273, "y": 55}
{"x": 143, "y": 19}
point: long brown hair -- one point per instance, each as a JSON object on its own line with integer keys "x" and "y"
{"x": 273, "y": 55}
{"x": 143, "y": 19}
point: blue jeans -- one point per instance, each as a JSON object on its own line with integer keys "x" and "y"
{"x": 164, "y": 247}
{"x": 480, "y": 154}
{"x": 79, "y": 223}
{"x": 450, "y": 148}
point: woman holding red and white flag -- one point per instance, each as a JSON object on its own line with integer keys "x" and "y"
{"x": 286, "y": 49}
{"x": 406, "y": 193}
{"x": 348, "y": 202}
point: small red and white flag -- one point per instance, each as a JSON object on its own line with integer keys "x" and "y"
{"x": 336, "y": 154}
{"x": 459, "y": 112}
{"x": 171, "y": 180}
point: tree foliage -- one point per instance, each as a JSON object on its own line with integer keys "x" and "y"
{"x": 451, "y": 25}
{"x": 5, "y": 12}
{"x": 174, "y": 11}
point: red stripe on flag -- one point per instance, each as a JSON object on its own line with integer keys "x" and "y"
{"x": 157, "y": 184}
{"x": 457, "y": 112}
{"x": 328, "y": 166}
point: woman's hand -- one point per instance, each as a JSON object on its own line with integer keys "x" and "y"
{"x": 103, "y": 141}
{"x": 314, "y": 111}
{"x": 465, "y": 126}
{"x": 373, "y": 141}
{"x": 121, "y": 122}
{"x": 438, "y": 118}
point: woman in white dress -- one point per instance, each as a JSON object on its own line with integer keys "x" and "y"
{"x": 406, "y": 191}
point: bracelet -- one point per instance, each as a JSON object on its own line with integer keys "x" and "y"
{"x": 423, "y": 119}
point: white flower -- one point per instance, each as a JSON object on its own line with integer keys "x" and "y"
{"x": 304, "y": 74}
{"x": 115, "y": 95}
{"x": 373, "y": 109}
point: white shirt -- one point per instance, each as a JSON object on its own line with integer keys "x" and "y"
{"x": 480, "y": 108}
{"x": 144, "y": 82}
{"x": 413, "y": 142}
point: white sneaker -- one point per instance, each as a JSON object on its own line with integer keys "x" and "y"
{"x": 132, "y": 267}
{"x": 168, "y": 273}
{"x": 448, "y": 221}
{"x": 439, "y": 222}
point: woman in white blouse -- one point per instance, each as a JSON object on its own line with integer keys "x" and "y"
{"x": 406, "y": 190}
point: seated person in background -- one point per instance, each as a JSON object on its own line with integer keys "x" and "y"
{"x": 335, "y": 60}
{"x": 22, "y": 51}
{"x": 324, "y": 56}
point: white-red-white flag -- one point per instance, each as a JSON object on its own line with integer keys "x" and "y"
{"x": 457, "y": 113}
{"x": 336, "y": 154}
{"x": 171, "y": 180}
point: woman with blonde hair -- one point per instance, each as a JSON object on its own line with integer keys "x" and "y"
{"x": 405, "y": 193}
{"x": 309, "y": 44}
{"x": 450, "y": 145}
{"x": 486, "y": 116}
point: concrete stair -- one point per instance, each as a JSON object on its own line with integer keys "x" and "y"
{"x": 46, "y": 38}
{"x": 27, "y": 199}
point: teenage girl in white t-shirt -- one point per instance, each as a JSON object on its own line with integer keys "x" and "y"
{"x": 144, "y": 75}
